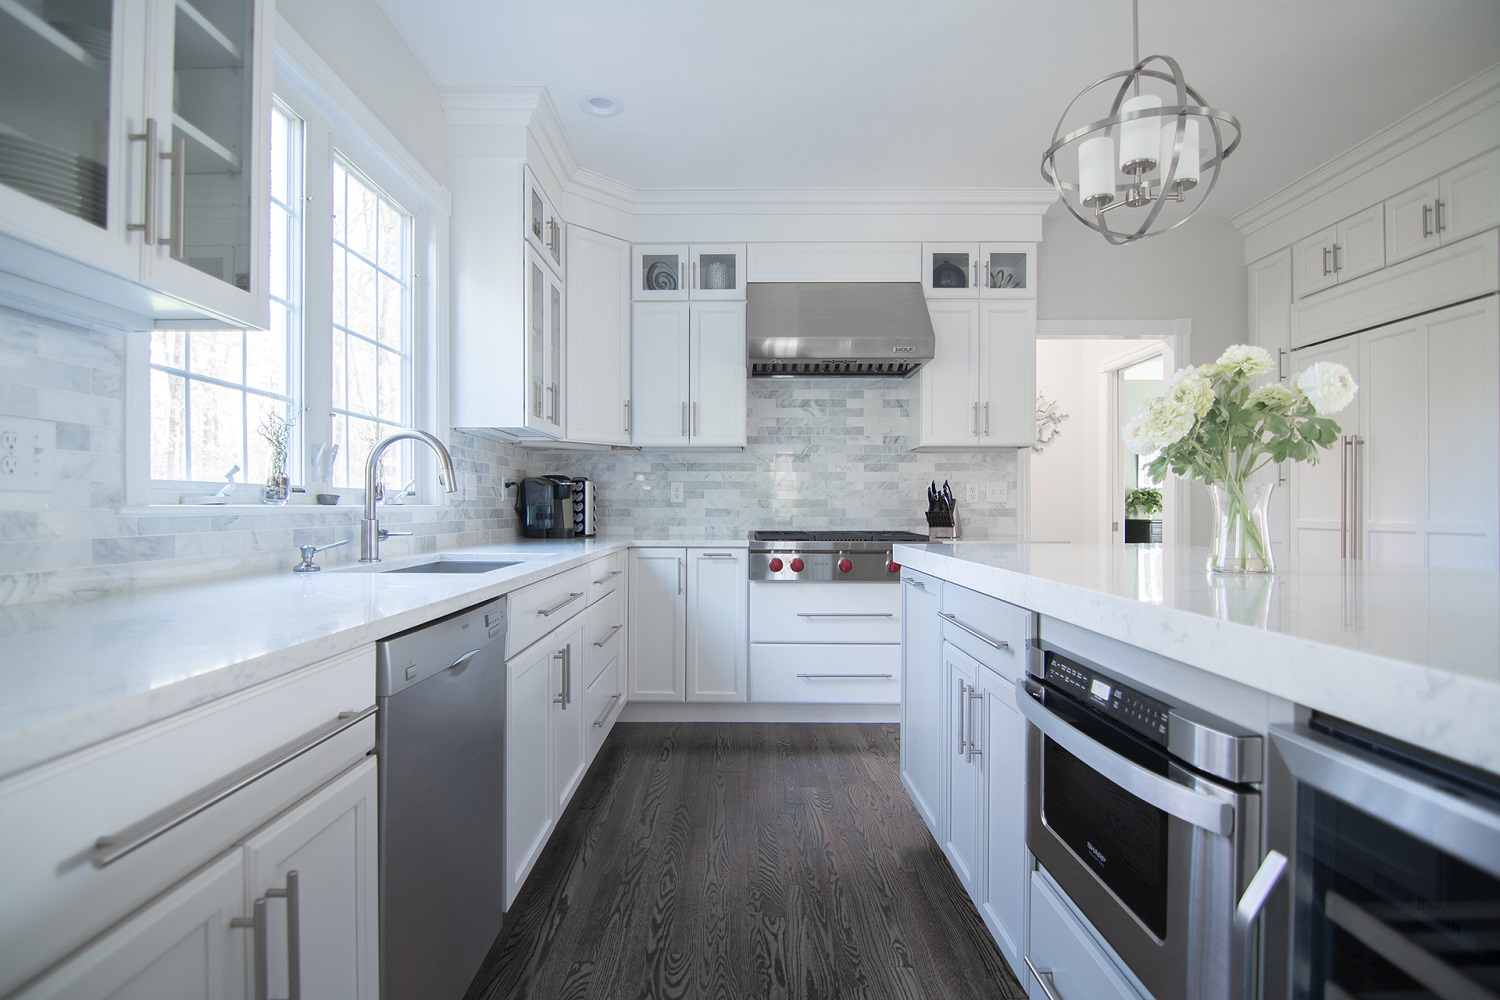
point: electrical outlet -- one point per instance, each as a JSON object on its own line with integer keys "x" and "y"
{"x": 999, "y": 492}
{"x": 971, "y": 493}
{"x": 28, "y": 454}
{"x": 677, "y": 496}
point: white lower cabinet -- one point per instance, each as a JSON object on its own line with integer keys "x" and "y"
{"x": 688, "y": 625}
{"x": 924, "y": 760}
{"x": 567, "y": 723}
{"x": 1002, "y": 740}
{"x": 965, "y": 827}
{"x": 1069, "y": 963}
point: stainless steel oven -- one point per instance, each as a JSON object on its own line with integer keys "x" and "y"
{"x": 1146, "y": 813}
{"x": 1395, "y": 869}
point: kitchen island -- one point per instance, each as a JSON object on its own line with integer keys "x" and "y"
{"x": 1409, "y": 651}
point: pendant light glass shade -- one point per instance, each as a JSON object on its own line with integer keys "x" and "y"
{"x": 1169, "y": 141}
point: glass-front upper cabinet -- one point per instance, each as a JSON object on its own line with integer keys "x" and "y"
{"x": 133, "y": 139}
{"x": 667, "y": 272}
{"x": 979, "y": 270}
{"x": 544, "y": 347}
{"x": 544, "y": 227}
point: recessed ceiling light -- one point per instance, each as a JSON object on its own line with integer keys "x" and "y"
{"x": 600, "y": 105}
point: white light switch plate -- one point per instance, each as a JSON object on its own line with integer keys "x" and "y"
{"x": 28, "y": 454}
{"x": 999, "y": 492}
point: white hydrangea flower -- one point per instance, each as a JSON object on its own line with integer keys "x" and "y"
{"x": 1246, "y": 361}
{"x": 1274, "y": 396}
{"x": 1190, "y": 389}
{"x": 1168, "y": 422}
{"x": 1328, "y": 386}
{"x": 1136, "y": 436}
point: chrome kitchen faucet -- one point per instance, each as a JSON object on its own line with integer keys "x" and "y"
{"x": 370, "y": 531}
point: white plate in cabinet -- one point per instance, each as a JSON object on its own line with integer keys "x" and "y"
{"x": 817, "y": 674}
{"x": 542, "y": 607}
{"x": 847, "y": 612}
{"x": 61, "y": 889}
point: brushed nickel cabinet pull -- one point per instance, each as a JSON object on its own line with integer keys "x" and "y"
{"x": 855, "y": 677}
{"x": 610, "y": 636}
{"x": 175, "y": 240}
{"x": 992, "y": 643}
{"x": 549, "y": 612}
{"x": 1437, "y": 216}
{"x": 147, "y": 225}
{"x": 609, "y": 707}
{"x": 1426, "y": 221}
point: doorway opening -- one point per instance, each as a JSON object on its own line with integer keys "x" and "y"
{"x": 1092, "y": 376}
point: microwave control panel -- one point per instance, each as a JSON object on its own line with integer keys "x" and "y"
{"x": 1137, "y": 712}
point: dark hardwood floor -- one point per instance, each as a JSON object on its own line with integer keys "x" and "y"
{"x": 750, "y": 861}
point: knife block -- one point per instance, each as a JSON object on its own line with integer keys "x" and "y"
{"x": 942, "y": 526}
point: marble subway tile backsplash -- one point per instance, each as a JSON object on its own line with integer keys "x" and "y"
{"x": 822, "y": 453}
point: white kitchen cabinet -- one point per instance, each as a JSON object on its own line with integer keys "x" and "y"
{"x": 1342, "y": 252}
{"x": 531, "y": 681}
{"x": 979, "y": 391}
{"x": 604, "y": 643}
{"x": 1270, "y": 326}
{"x": 185, "y": 944}
{"x": 688, "y": 374}
{"x": 568, "y": 724}
{"x": 329, "y": 841}
{"x": 597, "y": 369}
{"x": 544, "y": 229}
{"x": 544, "y": 347}
{"x": 1456, "y": 204}
{"x": 679, "y": 272}
{"x": 1410, "y": 489}
{"x": 979, "y": 270}
{"x": 689, "y": 624}
{"x": 964, "y": 844}
{"x": 176, "y": 231}
{"x": 718, "y": 624}
{"x": 924, "y": 758}
{"x": 1067, "y": 955}
{"x": 1007, "y": 865}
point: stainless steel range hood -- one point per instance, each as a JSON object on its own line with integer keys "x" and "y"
{"x": 841, "y": 328}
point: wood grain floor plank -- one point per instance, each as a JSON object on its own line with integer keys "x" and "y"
{"x": 753, "y": 861}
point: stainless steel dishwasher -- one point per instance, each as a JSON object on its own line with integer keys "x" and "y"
{"x": 440, "y": 738}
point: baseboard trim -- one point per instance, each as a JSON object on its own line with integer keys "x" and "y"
{"x": 708, "y": 712}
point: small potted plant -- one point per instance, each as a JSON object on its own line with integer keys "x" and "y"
{"x": 277, "y": 430}
{"x": 1140, "y": 504}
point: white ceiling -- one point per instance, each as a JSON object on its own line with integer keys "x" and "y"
{"x": 940, "y": 93}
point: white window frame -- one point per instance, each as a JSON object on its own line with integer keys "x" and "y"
{"x": 335, "y": 118}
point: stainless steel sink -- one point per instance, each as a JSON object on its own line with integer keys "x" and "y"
{"x": 456, "y": 566}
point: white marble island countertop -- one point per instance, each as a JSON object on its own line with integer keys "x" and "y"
{"x": 78, "y": 672}
{"x": 1408, "y": 651}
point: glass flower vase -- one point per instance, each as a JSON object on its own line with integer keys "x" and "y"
{"x": 1242, "y": 533}
{"x": 277, "y": 488}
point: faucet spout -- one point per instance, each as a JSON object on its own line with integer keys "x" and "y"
{"x": 370, "y": 533}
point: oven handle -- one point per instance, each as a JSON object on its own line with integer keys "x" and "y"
{"x": 1246, "y": 913}
{"x": 1168, "y": 796}
{"x": 1449, "y": 823}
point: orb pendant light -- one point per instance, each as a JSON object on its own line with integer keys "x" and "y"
{"x": 1138, "y": 170}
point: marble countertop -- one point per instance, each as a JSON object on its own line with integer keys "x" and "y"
{"x": 1409, "y": 651}
{"x": 77, "y": 672}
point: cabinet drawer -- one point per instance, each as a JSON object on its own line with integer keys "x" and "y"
{"x": 540, "y": 608}
{"x": 1067, "y": 954}
{"x": 604, "y": 700}
{"x": 849, "y": 674}
{"x": 603, "y": 634}
{"x": 825, "y": 612}
{"x": 988, "y": 629}
{"x": 60, "y": 891}
{"x": 605, "y": 575}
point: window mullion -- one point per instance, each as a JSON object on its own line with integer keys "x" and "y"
{"x": 317, "y": 301}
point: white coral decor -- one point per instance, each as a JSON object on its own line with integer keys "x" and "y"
{"x": 1328, "y": 386}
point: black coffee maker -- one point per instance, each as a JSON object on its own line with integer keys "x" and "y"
{"x": 545, "y": 506}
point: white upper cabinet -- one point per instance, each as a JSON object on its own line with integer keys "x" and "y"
{"x": 978, "y": 270}
{"x": 1458, "y": 203}
{"x": 689, "y": 379}
{"x": 545, "y": 229}
{"x": 979, "y": 390}
{"x": 1353, "y": 247}
{"x": 134, "y": 140}
{"x": 598, "y": 341}
{"x": 678, "y": 272}
{"x": 544, "y": 347}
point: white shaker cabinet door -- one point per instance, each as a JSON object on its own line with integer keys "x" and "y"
{"x": 717, "y": 414}
{"x": 329, "y": 841}
{"x": 569, "y": 727}
{"x": 924, "y": 759}
{"x": 718, "y": 624}
{"x": 1002, "y": 742}
{"x": 657, "y": 630}
{"x": 965, "y": 709}
{"x": 528, "y": 792}
{"x": 660, "y": 373}
{"x": 598, "y": 341}
{"x": 1321, "y": 530}
{"x": 949, "y": 382}
{"x": 183, "y": 945}
{"x": 1007, "y": 371}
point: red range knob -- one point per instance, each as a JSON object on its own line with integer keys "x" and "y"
{"x": 845, "y": 565}
{"x": 798, "y": 565}
{"x": 893, "y": 566}
{"x": 776, "y": 565}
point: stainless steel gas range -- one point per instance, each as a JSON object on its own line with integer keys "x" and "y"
{"x": 835, "y": 637}
{"x": 827, "y": 556}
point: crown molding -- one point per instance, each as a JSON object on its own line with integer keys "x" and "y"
{"x": 1020, "y": 201}
{"x": 1464, "y": 101}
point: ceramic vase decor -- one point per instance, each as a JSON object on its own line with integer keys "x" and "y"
{"x": 1242, "y": 536}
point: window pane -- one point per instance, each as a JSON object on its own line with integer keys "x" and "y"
{"x": 281, "y": 225}
{"x": 340, "y": 313}
{"x": 280, "y": 155}
{"x": 265, "y": 355}
{"x": 361, "y": 222}
{"x": 392, "y": 321}
{"x": 362, "y": 436}
{"x": 217, "y": 433}
{"x": 391, "y": 389}
{"x": 168, "y": 426}
{"x": 362, "y": 374}
{"x": 169, "y": 348}
{"x": 361, "y": 298}
{"x": 392, "y": 240}
{"x": 218, "y": 354}
{"x": 340, "y": 373}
